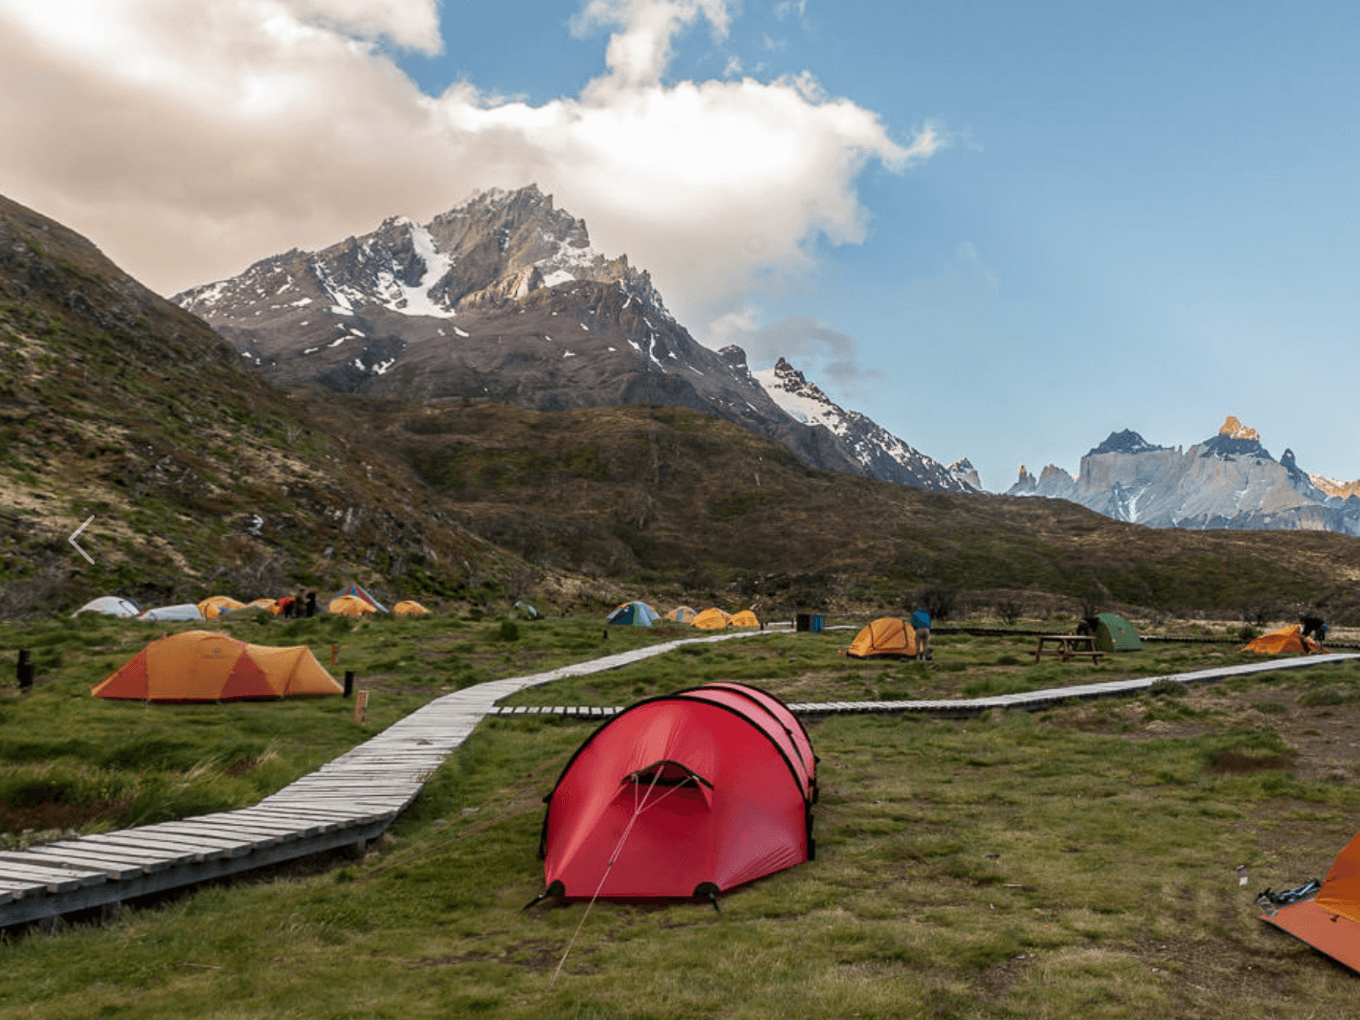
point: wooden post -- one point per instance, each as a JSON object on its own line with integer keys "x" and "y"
{"x": 335, "y": 654}
{"x": 361, "y": 707}
{"x": 25, "y": 671}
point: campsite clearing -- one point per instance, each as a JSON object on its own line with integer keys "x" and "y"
{"x": 1078, "y": 862}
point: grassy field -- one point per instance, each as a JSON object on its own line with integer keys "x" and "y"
{"x": 1079, "y": 862}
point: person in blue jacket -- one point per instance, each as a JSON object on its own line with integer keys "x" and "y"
{"x": 920, "y": 622}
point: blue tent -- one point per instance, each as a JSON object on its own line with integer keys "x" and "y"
{"x": 636, "y": 614}
{"x": 357, "y": 590}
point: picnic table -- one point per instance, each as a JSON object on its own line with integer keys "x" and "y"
{"x": 1067, "y": 647}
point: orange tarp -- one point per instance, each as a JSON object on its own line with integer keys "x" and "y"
{"x": 888, "y": 635}
{"x": 410, "y": 607}
{"x": 350, "y": 605}
{"x": 1330, "y": 921}
{"x": 711, "y": 619}
{"x": 745, "y": 618}
{"x": 1287, "y": 639}
{"x": 199, "y": 665}
{"x": 215, "y": 605}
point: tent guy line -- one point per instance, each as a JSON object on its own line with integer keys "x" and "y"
{"x": 353, "y": 799}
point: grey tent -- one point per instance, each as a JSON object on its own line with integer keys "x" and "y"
{"x": 185, "y": 611}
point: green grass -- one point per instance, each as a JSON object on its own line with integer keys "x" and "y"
{"x": 1079, "y": 863}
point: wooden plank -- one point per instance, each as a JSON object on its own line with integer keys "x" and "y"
{"x": 230, "y": 846}
{"x": 51, "y": 875}
{"x": 106, "y": 860}
{"x": 102, "y": 848}
{"x": 152, "y": 843}
{"x": 192, "y": 827}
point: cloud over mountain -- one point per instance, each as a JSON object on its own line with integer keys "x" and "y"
{"x": 192, "y": 146}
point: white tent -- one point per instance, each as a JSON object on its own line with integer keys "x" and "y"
{"x": 185, "y": 611}
{"x": 110, "y": 605}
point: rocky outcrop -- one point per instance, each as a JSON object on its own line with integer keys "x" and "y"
{"x": 505, "y": 297}
{"x": 1228, "y": 481}
{"x": 860, "y": 440}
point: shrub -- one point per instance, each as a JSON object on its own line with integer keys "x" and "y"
{"x": 1328, "y": 695}
{"x": 939, "y": 602}
{"x": 1166, "y": 687}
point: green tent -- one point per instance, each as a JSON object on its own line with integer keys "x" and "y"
{"x": 1115, "y": 634}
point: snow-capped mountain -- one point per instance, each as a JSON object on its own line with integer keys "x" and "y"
{"x": 1228, "y": 481}
{"x": 880, "y": 453}
{"x": 505, "y": 297}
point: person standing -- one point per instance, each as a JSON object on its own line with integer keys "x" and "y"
{"x": 920, "y": 622}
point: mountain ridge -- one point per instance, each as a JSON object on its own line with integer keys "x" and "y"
{"x": 1228, "y": 481}
{"x": 202, "y": 477}
{"x": 505, "y": 297}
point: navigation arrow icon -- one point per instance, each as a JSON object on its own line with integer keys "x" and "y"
{"x": 72, "y": 539}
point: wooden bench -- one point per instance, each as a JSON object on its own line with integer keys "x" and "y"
{"x": 1067, "y": 647}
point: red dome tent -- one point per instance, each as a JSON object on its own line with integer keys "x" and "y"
{"x": 687, "y": 794}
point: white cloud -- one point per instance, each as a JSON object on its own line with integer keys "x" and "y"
{"x": 189, "y": 147}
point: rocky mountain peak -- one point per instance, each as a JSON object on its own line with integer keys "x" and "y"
{"x": 1234, "y": 440}
{"x": 505, "y": 297}
{"x": 1126, "y": 441}
{"x": 1228, "y": 481}
{"x": 1234, "y": 429}
{"x": 964, "y": 471}
{"x": 878, "y": 452}
{"x": 735, "y": 357}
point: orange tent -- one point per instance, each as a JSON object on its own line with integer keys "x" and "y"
{"x": 350, "y": 605}
{"x": 215, "y": 605}
{"x": 199, "y": 665}
{"x": 745, "y": 618}
{"x": 711, "y": 619}
{"x": 410, "y": 607}
{"x": 681, "y": 614}
{"x": 1330, "y": 921}
{"x": 1287, "y": 639}
{"x": 888, "y": 635}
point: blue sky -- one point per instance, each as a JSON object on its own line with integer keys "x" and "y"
{"x": 1145, "y": 216}
{"x": 1043, "y": 221}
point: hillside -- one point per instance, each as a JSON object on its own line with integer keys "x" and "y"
{"x": 201, "y": 476}
{"x": 117, "y": 404}
{"x": 504, "y": 297}
{"x": 687, "y": 505}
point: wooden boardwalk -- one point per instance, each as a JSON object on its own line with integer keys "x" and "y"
{"x": 351, "y": 800}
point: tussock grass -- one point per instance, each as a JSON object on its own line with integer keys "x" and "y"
{"x": 1075, "y": 863}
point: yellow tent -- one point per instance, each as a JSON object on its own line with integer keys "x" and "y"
{"x": 888, "y": 635}
{"x": 681, "y": 614}
{"x": 199, "y": 665}
{"x": 350, "y": 605}
{"x": 410, "y": 607}
{"x": 745, "y": 618}
{"x": 215, "y": 605}
{"x": 711, "y": 619}
{"x": 1287, "y": 639}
